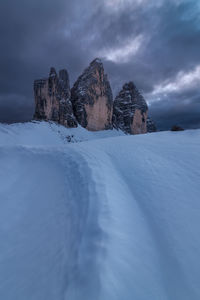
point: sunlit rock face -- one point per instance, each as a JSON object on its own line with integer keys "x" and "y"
{"x": 92, "y": 98}
{"x": 130, "y": 110}
{"x": 52, "y": 99}
{"x": 90, "y": 102}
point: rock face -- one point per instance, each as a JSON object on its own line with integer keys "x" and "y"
{"x": 92, "y": 98}
{"x": 52, "y": 99}
{"x": 90, "y": 102}
{"x": 130, "y": 110}
{"x": 151, "y": 127}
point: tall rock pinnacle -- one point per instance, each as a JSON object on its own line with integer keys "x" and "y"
{"x": 130, "y": 110}
{"x": 92, "y": 98}
{"x": 90, "y": 102}
{"x": 52, "y": 99}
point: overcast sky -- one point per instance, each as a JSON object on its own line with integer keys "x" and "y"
{"x": 155, "y": 43}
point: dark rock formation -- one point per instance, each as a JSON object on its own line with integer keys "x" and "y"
{"x": 90, "y": 102}
{"x": 151, "y": 127}
{"x": 130, "y": 110}
{"x": 92, "y": 98}
{"x": 177, "y": 128}
{"x": 52, "y": 99}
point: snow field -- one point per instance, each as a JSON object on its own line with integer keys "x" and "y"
{"x": 113, "y": 218}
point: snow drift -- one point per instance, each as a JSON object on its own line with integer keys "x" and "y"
{"x": 113, "y": 217}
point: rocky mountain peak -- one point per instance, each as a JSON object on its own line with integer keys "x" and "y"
{"x": 130, "y": 110}
{"x": 90, "y": 102}
{"x": 64, "y": 85}
{"x": 52, "y": 72}
{"x": 52, "y": 99}
{"x": 95, "y": 67}
{"x": 96, "y": 61}
{"x": 130, "y": 93}
{"x": 129, "y": 86}
{"x": 92, "y": 98}
{"x": 64, "y": 76}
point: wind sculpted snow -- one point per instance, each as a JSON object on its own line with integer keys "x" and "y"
{"x": 110, "y": 218}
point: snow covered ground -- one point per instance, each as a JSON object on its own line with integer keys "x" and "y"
{"x": 48, "y": 134}
{"x": 114, "y": 217}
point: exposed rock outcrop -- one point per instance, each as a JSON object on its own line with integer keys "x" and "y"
{"x": 177, "y": 128}
{"x": 151, "y": 127}
{"x": 52, "y": 99}
{"x": 90, "y": 102}
{"x": 92, "y": 98}
{"x": 130, "y": 110}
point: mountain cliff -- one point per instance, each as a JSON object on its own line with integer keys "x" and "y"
{"x": 130, "y": 110}
{"x": 92, "y": 98}
{"x": 52, "y": 99}
{"x": 90, "y": 102}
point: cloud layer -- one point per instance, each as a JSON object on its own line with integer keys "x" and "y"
{"x": 155, "y": 45}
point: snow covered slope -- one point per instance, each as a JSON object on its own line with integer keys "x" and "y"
{"x": 48, "y": 134}
{"x": 111, "y": 218}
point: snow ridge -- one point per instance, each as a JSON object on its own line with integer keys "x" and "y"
{"x": 111, "y": 217}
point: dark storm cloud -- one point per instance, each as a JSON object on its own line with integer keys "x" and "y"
{"x": 13, "y": 106}
{"x": 38, "y": 34}
{"x": 34, "y": 36}
{"x": 181, "y": 111}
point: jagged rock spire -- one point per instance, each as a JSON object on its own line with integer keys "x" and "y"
{"x": 92, "y": 98}
{"x": 64, "y": 85}
{"x": 52, "y": 72}
{"x": 52, "y": 99}
{"x": 90, "y": 102}
{"x": 130, "y": 110}
{"x": 96, "y": 61}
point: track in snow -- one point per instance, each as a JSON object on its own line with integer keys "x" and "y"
{"x": 111, "y": 219}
